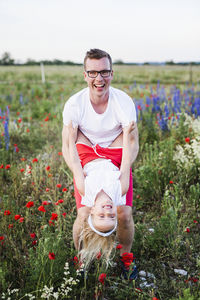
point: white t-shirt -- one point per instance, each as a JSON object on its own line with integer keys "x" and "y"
{"x": 102, "y": 175}
{"x": 102, "y": 128}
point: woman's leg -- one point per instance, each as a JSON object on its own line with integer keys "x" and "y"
{"x": 82, "y": 139}
{"x": 118, "y": 142}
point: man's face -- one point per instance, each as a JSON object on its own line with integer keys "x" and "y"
{"x": 99, "y": 86}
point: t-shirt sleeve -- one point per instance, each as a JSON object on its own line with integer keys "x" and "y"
{"x": 71, "y": 113}
{"x": 130, "y": 112}
{"x": 125, "y": 109}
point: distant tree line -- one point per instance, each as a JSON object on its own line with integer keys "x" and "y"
{"x": 7, "y": 60}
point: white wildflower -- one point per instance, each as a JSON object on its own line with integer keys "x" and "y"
{"x": 47, "y": 292}
{"x": 56, "y": 295}
{"x": 196, "y": 147}
{"x": 30, "y": 296}
{"x": 180, "y": 272}
{"x": 181, "y": 158}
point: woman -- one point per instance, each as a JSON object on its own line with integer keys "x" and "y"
{"x": 102, "y": 179}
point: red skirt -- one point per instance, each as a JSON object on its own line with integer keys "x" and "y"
{"x": 88, "y": 153}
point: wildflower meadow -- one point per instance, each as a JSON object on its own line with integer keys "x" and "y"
{"x": 37, "y": 206}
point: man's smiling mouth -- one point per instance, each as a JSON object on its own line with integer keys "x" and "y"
{"x": 99, "y": 85}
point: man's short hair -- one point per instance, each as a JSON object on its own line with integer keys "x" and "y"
{"x": 97, "y": 54}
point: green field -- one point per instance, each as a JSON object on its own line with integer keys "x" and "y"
{"x": 34, "y": 176}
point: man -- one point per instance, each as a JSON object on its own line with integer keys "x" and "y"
{"x": 100, "y": 112}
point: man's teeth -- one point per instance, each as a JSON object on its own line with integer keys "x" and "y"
{"x": 99, "y": 85}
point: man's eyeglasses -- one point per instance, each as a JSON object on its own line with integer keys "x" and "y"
{"x": 94, "y": 74}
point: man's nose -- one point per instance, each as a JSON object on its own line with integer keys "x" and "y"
{"x": 99, "y": 76}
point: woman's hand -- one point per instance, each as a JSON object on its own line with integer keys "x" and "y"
{"x": 129, "y": 129}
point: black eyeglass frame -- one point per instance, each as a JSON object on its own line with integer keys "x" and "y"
{"x": 98, "y": 72}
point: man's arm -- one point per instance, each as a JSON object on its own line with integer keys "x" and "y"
{"x": 129, "y": 154}
{"x": 65, "y": 146}
{"x": 71, "y": 157}
{"x": 134, "y": 140}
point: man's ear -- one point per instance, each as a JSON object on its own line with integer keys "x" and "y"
{"x": 112, "y": 74}
{"x": 85, "y": 75}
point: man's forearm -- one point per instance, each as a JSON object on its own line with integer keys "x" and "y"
{"x": 65, "y": 152}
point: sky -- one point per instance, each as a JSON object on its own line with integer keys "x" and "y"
{"x": 129, "y": 30}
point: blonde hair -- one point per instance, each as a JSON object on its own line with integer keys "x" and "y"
{"x": 91, "y": 244}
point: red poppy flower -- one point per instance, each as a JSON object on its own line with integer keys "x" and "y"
{"x": 127, "y": 259}
{"x": 7, "y": 167}
{"x": 51, "y": 223}
{"x": 171, "y": 182}
{"x": 32, "y": 235}
{"x": 64, "y": 214}
{"x": 17, "y": 217}
{"x": 35, "y": 160}
{"x": 41, "y": 208}
{"x": 34, "y": 243}
{"x": 16, "y": 149}
{"x": 46, "y": 119}
{"x": 195, "y": 221}
{"x": 187, "y": 229}
{"x": 75, "y": 259}
{"x": 48, "y": 168}
{"x": 27, "y": 130}
{"x": 119, "y": 246}
{"x": 47, "y": 190}
{"x": 154, "y": 298}
{"x": 64, "y": 189}
{"x": 19, "y": 120}
{"x": 30, "y": 204}
{"x": 1, "y": 238}
{"x": 22, "y": 170}
{"x": 54, "y": 216}
{"x": 21, "y": 220}
{"x": 7, "y": 213}
{"x": 10, "y": 226}
{"x": 60, "y": 153}
{"x": 58, "y": 185}
{"x": 98, "y": 256}
{"x": 45, "y": 203}
{"x": 102, "y": 277}
{"x": 60, "y": 201}
{"x": 1, "y": 166}
{"x": 187, "y": 139}
{"x": 51, "y": 255}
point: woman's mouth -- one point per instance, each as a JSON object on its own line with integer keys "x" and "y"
{"x": 107, "y": 206}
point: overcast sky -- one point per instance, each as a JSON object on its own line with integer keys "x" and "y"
{"x": 131, "y": 30}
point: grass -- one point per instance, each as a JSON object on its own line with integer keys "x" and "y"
{"x": 166, "y": 187}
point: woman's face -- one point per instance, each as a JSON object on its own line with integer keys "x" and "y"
{"x": 104, "y": 213}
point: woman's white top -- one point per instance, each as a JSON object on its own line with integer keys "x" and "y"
{"x": 102, "y": 175}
